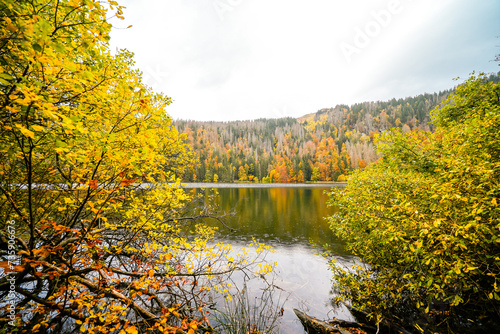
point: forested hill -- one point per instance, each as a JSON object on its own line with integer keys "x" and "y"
{"x": 324, "y": 146}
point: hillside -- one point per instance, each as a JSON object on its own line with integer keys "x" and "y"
{"x": 324, "y": 146}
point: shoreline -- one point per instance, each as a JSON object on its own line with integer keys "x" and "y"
{"x": 191, "y": 185}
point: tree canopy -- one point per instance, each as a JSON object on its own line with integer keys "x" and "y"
{"x": 425, "y": 219}
{"x": 94, "y": 230}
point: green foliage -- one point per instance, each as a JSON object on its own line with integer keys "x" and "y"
{"x": 425, "y": 219}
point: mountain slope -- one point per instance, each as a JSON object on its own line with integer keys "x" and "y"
{"x": 323, "y": 146}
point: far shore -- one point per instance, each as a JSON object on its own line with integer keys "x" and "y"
{"x": 188, "y": 185}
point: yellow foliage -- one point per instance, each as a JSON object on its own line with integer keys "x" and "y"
{"x": 90, "y": 168}
{"x": 425, "y": 218}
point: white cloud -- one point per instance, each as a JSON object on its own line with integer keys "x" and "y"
{"x": 242, "y": 59}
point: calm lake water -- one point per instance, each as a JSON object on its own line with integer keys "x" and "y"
{"x": 291, "y": 219}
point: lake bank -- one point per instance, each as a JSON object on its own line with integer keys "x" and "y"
{"x": 190, "y": 185}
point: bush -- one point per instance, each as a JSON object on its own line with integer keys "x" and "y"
{"x": 425, "y": 219}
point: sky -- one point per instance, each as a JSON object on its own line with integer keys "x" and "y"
{"x": 226, "y": 60}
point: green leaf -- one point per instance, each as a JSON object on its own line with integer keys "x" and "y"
{"x": 37, "y": 47}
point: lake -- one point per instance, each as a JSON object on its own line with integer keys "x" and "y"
{"x": 291, "y": 219}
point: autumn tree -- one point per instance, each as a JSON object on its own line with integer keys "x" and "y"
{"x": 425, "y": 220}
{"x": 242, "y": 174}
{"x": 93, "y": 227}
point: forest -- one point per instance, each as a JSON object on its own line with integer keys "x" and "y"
{"x": 324, "y": 146}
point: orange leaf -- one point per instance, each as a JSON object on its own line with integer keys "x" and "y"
{"x": 93, "y": 184}
{"x": 125, "y": 182}
{"x": 41, "y": 252}
{"x": 7, "y": 266}
{"x": 131, "y": 330}
{"x": 18, "y": 268}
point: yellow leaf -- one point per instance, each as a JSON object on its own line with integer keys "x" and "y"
{"x": 11, "y": 27}
{"x": 494, "y": 201}
{"x": 37, "y": 127}
{"x": 12, "y": 109}
{"x": 26, "y": 132}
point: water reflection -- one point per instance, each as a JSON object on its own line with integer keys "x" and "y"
{"x": 278, "y": 216}
{"x": 290, "y": 220}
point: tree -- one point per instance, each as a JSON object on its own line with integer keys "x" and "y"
{"x": 315, "y": 174}
{"x": 425, "y": 219}
{"x": 242, "y": 174}
{"x": 85, "y": 245}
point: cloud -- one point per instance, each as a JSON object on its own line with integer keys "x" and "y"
{"x": 242, "y": 59}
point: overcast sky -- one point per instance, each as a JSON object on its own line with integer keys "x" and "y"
{"x": 247, "y": 59}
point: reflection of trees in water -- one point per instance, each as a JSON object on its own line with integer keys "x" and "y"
{"x": 286, "y": 218}
{"x": 277, "y": 215}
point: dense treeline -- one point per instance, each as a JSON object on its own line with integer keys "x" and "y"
{"x": 324, "y": 146}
